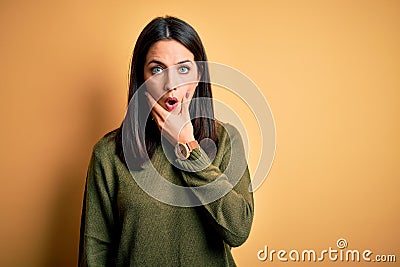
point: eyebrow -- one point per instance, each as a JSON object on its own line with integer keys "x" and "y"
{"x": 161, "y": 63}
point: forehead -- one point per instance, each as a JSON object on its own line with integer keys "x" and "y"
{"x": 169, "y": 52}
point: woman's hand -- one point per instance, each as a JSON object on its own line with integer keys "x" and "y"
{"x": 176, "y": 125}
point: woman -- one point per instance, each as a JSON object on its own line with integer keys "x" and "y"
{"x": 126, "y": 222}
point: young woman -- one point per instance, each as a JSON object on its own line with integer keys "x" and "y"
{"x": 133, "y": 214}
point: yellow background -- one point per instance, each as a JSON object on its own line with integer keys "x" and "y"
{"x": 329, "y": 70}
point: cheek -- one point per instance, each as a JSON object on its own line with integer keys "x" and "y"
{"x": 189, "y": 90}
{"x": 146, "y": 75}
{"x": 154, "y": 87}
{"x": 192, "y": 88}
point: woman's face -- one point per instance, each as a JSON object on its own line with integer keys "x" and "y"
{"x": 170, "y": 73}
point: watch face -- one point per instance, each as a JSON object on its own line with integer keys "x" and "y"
{"x": 182, "y": 151}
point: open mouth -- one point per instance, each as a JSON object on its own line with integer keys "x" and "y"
{"x": 171, "y": 103}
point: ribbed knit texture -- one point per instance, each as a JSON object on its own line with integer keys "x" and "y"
{"x": 123, "y": 226}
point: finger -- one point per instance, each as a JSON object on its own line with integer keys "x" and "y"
{"x": 185, "y": 108}
{"x": 159, "y": 120}
{"x": 155, "y": 115}
{"x": 156, "y": 109}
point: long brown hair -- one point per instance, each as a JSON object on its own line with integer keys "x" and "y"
{"x": 143, "y": 139}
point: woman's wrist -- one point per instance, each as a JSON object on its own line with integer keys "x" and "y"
{"x": 183, "y": 150}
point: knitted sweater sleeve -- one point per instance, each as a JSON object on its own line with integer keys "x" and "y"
{"x": 231, "y": 215}
{"x": 97, "y": 221}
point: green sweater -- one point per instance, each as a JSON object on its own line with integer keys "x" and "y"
{"x": 124, "y": 226}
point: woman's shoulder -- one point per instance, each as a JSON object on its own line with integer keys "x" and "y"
{"x": 226, "y": 130}
{"x": 106, "y": 145}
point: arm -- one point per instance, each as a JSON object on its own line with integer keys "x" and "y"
{"x": 97, "y": 216}
{"x": 231, "y": 215}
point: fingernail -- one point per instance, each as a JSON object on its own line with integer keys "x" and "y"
{"x": 187, "y": 94}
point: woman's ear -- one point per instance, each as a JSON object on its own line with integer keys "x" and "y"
{"x": 197, "y": 80}
{"x": 200, "y": 71}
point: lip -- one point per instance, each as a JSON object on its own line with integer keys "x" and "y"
{"x": 171, "y": 103}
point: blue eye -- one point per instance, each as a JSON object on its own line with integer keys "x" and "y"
{"x": 183, "y": 69}
{"x": 156, "y": 70}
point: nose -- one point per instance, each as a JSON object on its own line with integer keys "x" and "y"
{"x": 170, "y": 80}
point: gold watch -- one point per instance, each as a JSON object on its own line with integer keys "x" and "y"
{"x": 183, "y": 150}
